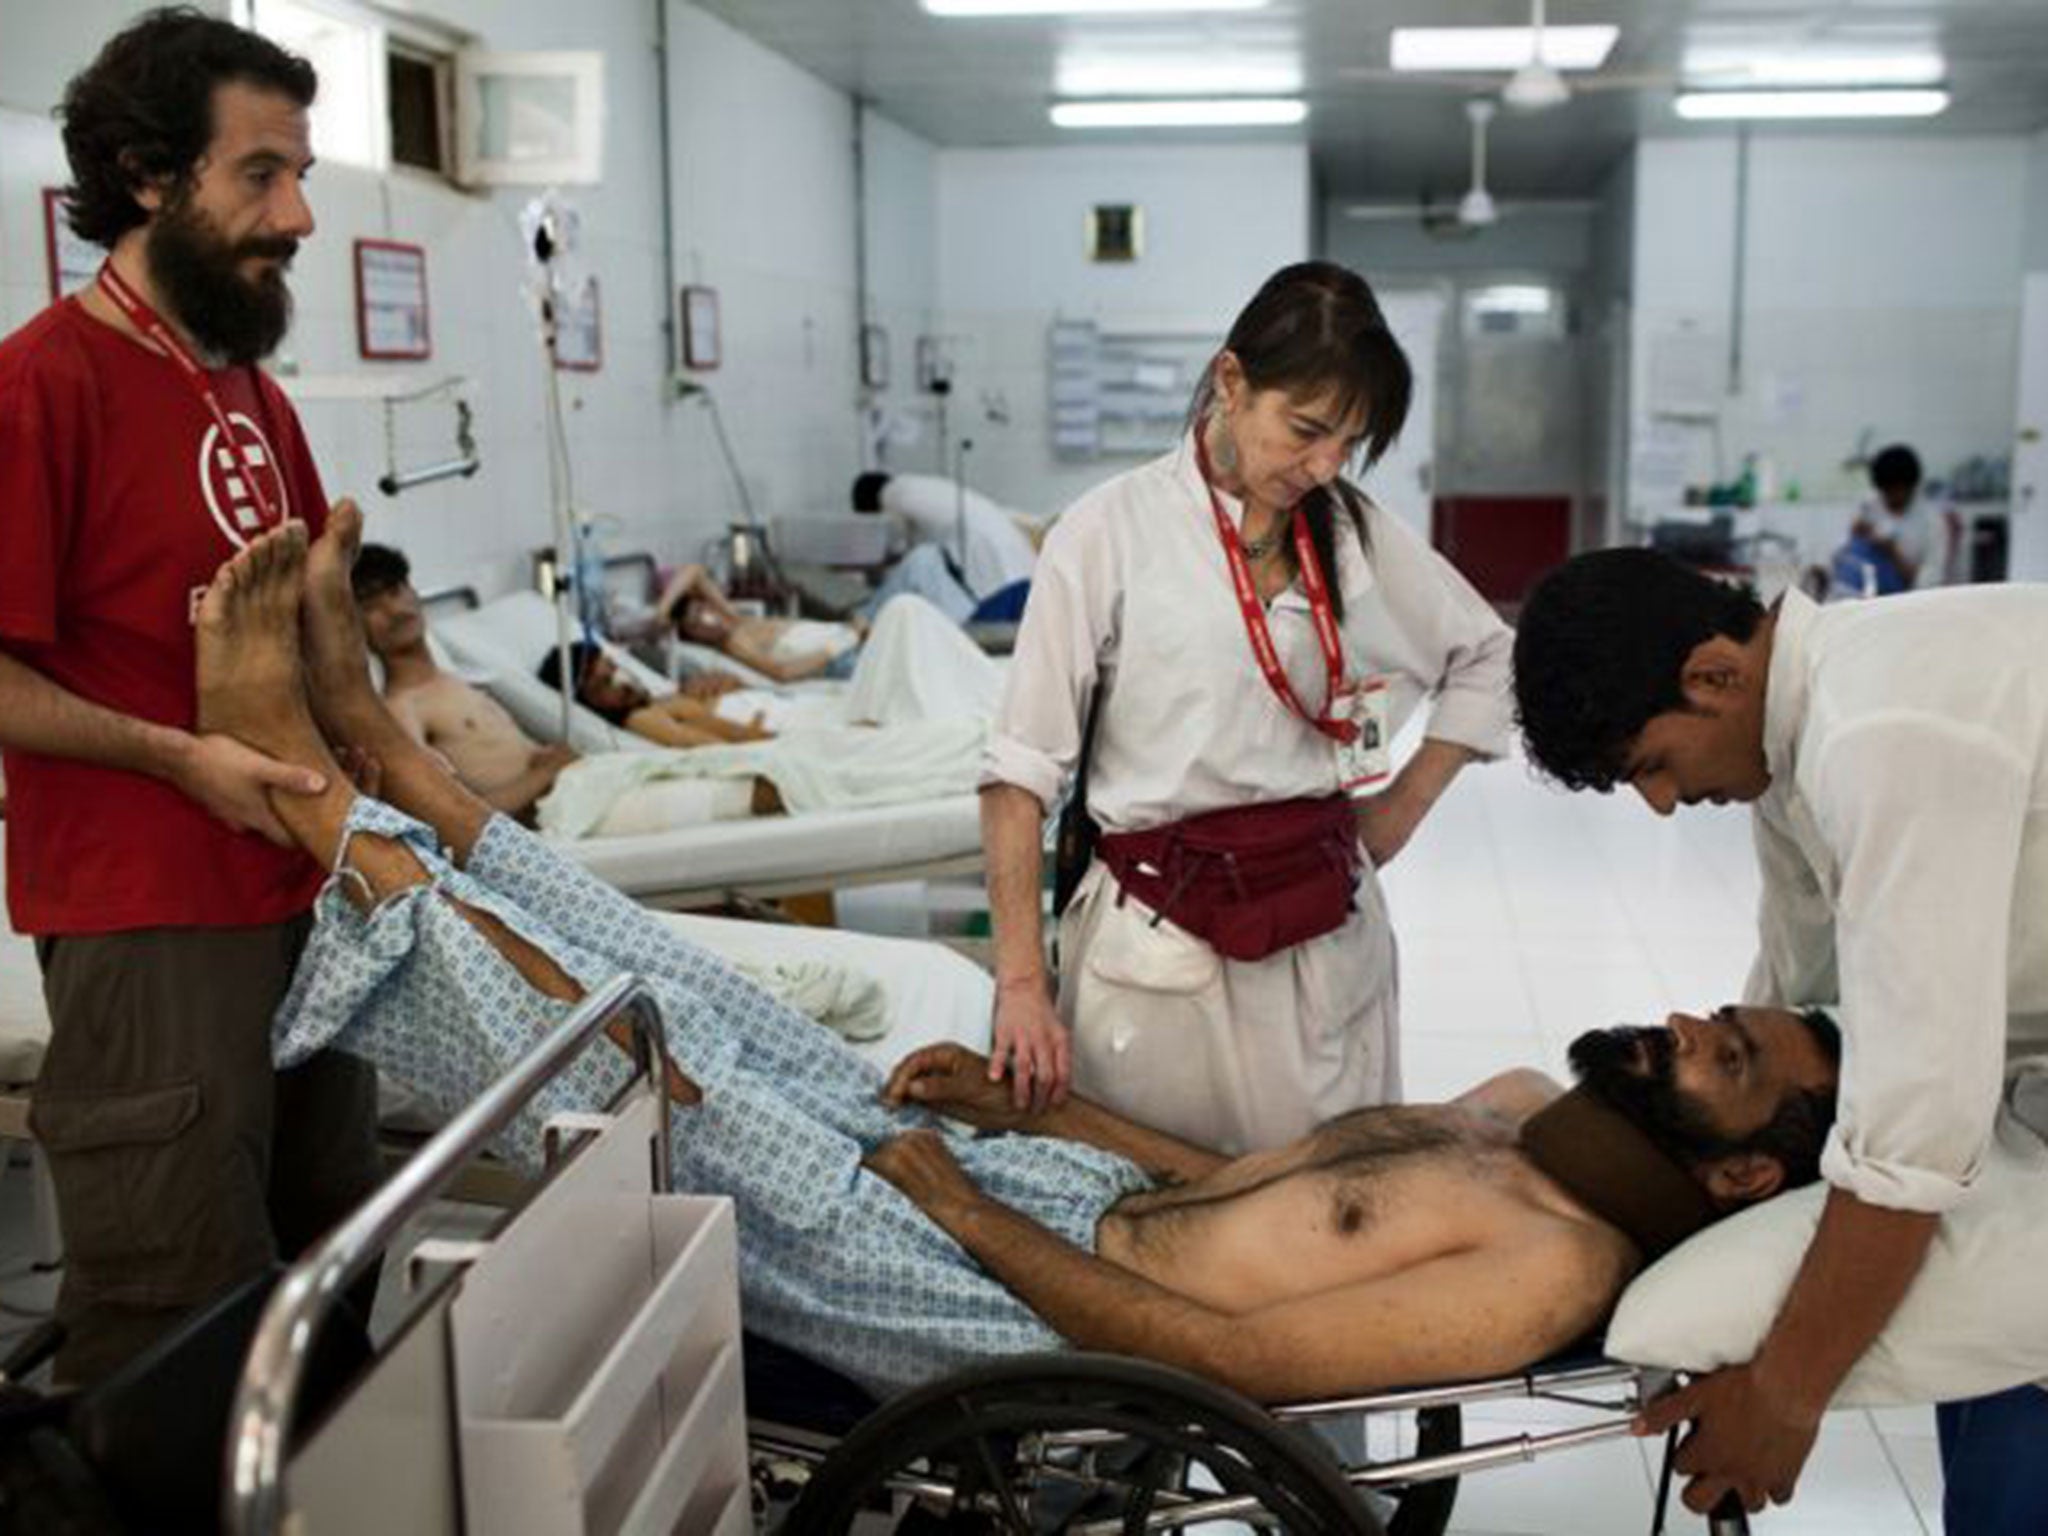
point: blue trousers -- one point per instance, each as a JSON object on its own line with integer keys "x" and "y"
{"x": 927, "y": 572}
{"x": 1994, "y": 1464}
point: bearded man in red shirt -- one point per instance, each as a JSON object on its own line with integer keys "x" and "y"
{"x": 140, "y": 448}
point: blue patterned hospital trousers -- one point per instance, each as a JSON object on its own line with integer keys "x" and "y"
{"x": 834, "y": 1261}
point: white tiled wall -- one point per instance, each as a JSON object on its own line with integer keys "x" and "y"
{"x": 1012, "y": 256}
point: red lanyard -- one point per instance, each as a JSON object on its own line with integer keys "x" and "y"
{"x": 1320, "y": 610}
{"x": 151, "y": 324}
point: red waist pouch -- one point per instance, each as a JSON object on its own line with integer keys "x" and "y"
{"x": 1249, "y": 881}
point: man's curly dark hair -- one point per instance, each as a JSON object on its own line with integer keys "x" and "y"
{"x": 142, "y": 112}
{"x": 1600, "y": 650}
{"x": 377, "y": 570}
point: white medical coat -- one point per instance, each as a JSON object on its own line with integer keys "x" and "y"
{"x": 1904, "y": 850}
{"x": 1133, "y": 595}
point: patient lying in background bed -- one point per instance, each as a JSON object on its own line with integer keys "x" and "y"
{"x": 718, "y": 769}
{"x": 1392, "y": 1245}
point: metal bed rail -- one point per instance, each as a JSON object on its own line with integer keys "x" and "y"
{"x": 260, "y": 1426}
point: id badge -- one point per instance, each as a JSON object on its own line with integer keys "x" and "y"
{"x": 1365, "y": 761}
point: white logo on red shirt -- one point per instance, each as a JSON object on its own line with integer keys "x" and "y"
{"x": 226, "y": 476}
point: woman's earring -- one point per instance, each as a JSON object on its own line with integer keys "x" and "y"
{"x": 1223, "y": 447}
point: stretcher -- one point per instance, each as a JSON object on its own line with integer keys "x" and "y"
{"x": 578, "y": 1404}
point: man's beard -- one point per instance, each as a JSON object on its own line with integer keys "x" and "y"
{"x": 235, "y": 318}
{"x": 1631, "y": 1067}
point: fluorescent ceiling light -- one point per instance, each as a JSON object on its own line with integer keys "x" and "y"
{"x": 1162, "y": 112}
{"x": 1081, "y": 7}
{"x": 1723, "y": 106}
{"x": 1103, "y": 76}
{"x": 1733, "y": 68}
{"x": 1427, "y": 48}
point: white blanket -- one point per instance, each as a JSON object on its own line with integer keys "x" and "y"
{"x": 839, "y": 768}
{"x": 915, "y": 665}
{"x": 848, "y": 1002}
{"x": 919, "y": 665}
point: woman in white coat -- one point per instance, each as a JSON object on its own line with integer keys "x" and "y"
{"x": 1250, "y": 632}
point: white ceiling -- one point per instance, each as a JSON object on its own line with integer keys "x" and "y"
{"x": 986, "y": 82}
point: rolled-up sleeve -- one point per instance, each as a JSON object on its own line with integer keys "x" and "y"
{"x": 1462, "y": 651}
{"x": 1069, "y": 623}
{"x": 1930, "y": 817}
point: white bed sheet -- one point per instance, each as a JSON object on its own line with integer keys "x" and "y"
{"x": 777, "y": 854}
{"x": 501, "y": 644}
{"x": 932, "y": 993}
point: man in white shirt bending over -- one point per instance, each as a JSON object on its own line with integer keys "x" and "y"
{"x": 1896, "y": 755}
{"x": 999, "y": 551}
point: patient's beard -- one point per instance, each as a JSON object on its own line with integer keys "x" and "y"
{"x": 1631, "y": 1068}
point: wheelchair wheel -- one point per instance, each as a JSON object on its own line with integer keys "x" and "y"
{"x": 1072, "y": 1443}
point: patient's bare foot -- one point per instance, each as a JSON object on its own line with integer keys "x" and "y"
{"x": 337, "y": 661}
{"x": 249, "y": 680}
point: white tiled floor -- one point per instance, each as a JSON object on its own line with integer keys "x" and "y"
{"x": 1526, "y": 915}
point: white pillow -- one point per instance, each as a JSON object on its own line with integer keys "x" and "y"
{"x": 1974, "y": 1321}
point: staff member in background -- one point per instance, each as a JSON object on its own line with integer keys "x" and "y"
{"x": 140, "y": 448}
{"x": 1896, "y": 754}
{"x": 1249, "y": 632}
{"x": 1893, "y": 537}
{"x": 1000, "y": 544}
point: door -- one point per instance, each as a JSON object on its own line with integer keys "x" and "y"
{"x": 1404, "y": 480}
{"x": 2027, "y": 552}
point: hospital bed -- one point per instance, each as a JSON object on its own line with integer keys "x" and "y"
{"x": 500, "y": 644}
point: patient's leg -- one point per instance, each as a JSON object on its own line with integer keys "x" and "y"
{"x": 251, "y": 688}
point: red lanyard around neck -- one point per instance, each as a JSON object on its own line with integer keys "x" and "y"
{"x": 136, "y": 310}
{"x": 1321, "y": 611}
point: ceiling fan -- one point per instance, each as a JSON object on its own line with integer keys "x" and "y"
{"x": 1478, "y": 208}
{"x": 1535, "y": 86}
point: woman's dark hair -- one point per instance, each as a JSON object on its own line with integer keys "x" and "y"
{"x": 1600, "y": 650}
{"x": 377, "y": 570}
{"x": 142, "y": 111}
{"x": 1316, "y": 328}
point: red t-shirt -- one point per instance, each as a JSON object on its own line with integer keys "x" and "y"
{"x": 117, "y": 505}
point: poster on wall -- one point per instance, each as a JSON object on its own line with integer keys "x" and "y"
{"x": 391, "y": 300}
{"x": 579, "y": 335}
{"x": 73, "y": 262}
